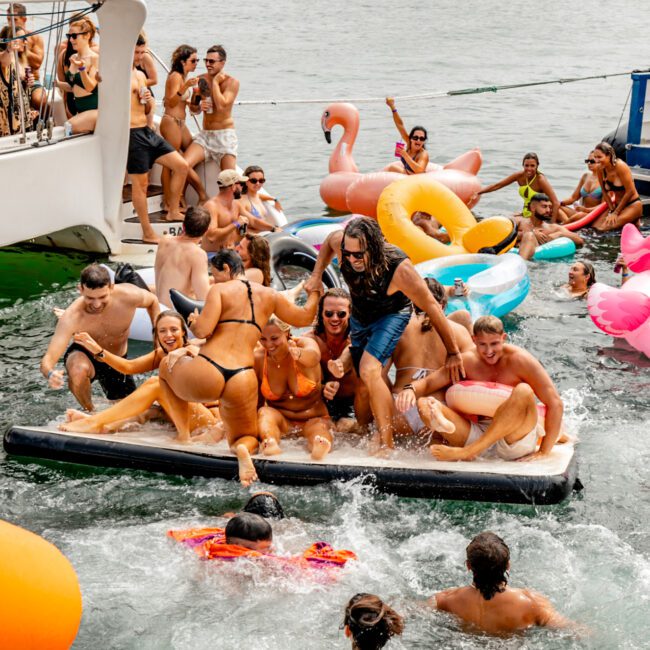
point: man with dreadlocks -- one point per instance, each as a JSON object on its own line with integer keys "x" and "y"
{"x": 382, "y": 283}
{"x": 489, "y": 604}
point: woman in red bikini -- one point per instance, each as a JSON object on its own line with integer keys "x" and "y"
{"x": 289, "y": 373}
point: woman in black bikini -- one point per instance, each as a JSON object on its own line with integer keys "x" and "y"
{"x": 619, "y": 192}
{"x": 415, "y": 157}
{"x": 235, "y": 312}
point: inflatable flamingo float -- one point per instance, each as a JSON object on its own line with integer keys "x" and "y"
{"x": 625, "y": 312}
{"x": 348, "y": 190}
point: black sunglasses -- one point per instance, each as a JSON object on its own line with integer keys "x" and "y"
{"x": 590, "y": 161}
{"x": 255, "y": 181}
{"x": 418, "y": 138}
{"x": 328, "y": 314}
{"x": 358, "y": 255}
{"x": 206, "y": 61}
{"x": 195, "y": 60}
{"x": 68, "y": 36}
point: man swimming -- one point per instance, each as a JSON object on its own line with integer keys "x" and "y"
{"x": 514, "y": 430}
{"x": 105, "y": 311}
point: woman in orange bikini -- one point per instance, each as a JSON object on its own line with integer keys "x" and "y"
{"x": 290, "y": 382}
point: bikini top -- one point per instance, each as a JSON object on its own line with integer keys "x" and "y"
{"x": 74, "y": 79}
{"x": 610, "y": 187}
{"x": 594, "y": 194}
{"x": 252, "y": 320}
{"x": 527, "y": 193}
{"x": 305, "y": 386}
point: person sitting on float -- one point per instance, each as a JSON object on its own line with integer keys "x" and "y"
{"x": 289, "y": 373}
{"x": 581, "y": 276}
{"x": 414, "y": 158}
{"x": 619, "y": 191}
{"x": 253, "y": 202}
{"x": 430, "y": 226}
{"x": 169, "y": 334}
{"x": 235, "y": 313}
{"x": 513, "y": 431}
{"x": 370, "y": 623}
{"x": 540, "y": 229}
{"x": 531, "y": 181}
{"x": 587, "y": 195}
{"x": 489, "y": 604}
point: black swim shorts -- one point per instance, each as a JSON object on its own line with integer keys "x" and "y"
{"x": 145, "y": 147}
{"x": 114, "y": 384}
{"x": 340, "y": 407}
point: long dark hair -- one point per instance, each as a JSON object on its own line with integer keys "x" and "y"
{"x": 335, "y": 292}
{"x": 608, "y": 150}
{"x": 488, "y": 557}
{"x": 368, "y": 232}
{"x": 590, "y": 271}
{"x": 251, "y": 169}
{"x": 371, "y": 621}
{"x": 259, "y": 253}
{"x": 181, "y": 54}
{"x": 419, "y": 128}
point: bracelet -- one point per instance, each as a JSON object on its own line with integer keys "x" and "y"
{"x": 99, "y": 355}
{"x": 49, "y": 374}
{"x": 409, "y": 387}
{"x": 236, "y": 224}
{"x": 179, "y": 94}
{"x": 81, "y": 69}
{"x": 394, "y": 110}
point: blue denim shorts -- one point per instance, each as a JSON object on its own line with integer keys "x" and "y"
{"x": 379, "y": 338}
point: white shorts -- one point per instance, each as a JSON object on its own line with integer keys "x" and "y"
{"x": 501, "y": 449}
{"x": 217, "y": 144}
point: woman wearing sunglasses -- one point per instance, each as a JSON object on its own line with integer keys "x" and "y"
{"x": 78, "y": 73}
{"x": 178, "y": 92}
{"x": 414, "y": 157}
{"x": 253, "y": 202}
{"x": 586, "y": 196}
{"x": 531, "y": 181}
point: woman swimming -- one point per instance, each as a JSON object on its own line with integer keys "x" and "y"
{"x": 581, "y": 276}
{"x": 169, "y": 335}
{"x": 370, "y": 622}
{"x": 236, "y": 310}
{"x": 531, "y": 181}
{"x": 253, "y": 202}
{"x": 415, "y": 157}
{"x": 586, "y": 196}
{"x": 619, "y": 191}
{"x": 289, "y": 373}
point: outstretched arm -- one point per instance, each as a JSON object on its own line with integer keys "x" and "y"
{"x": 136, "y": 366}
{"x": 56, "y": 348}
{"x": 398, "y": 120}
{"x": 294, "y": 315}
{"x": 331, "y": 248}
{"x": 499, "y": 184}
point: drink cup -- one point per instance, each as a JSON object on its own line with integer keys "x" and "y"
{"x": 399, "y": 149}
{"x": 143, "y": 90}
{"x": 459, "y": 287}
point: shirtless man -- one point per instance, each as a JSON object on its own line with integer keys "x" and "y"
{"x": 181, "y": 263}
{"x": 489, "y": 605}
{"x": 105, "y": 311}
{"x": 345, "y": 397}
{"x": 539, "y": 230}
{"x": 35, "y": 52}
{"x": 217, "y": 140}
{"x": 514, "y": 430}
{"x": 146, "y": 147}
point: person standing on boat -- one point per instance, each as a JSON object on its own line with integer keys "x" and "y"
{"x": 619, "y": 191}
{"x": 105, "y": 312}
{"x": 530, "y": 181}
{"x": 414, "y": 157}
{"x": 181, "y": 263}
{"x": 540, "y": 230}
{"x": 146, "y": 148}
{"x": 514, "y": 430}
{"x": 382, "y": 282}
{"x": 216, "y": 94}
{"x": 10, "y": 93}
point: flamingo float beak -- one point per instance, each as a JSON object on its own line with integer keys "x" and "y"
{"x": 328, "y": 136}
{"x": 327, "y": 132}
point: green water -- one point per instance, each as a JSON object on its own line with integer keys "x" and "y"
{"x": 590, "y": 555}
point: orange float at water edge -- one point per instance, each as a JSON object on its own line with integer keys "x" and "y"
{"x": 40, "y": 600}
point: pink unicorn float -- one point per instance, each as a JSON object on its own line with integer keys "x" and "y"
{"x": 625, "y": 312}
{"x": 348, "y": 190}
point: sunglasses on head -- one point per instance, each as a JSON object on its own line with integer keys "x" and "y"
{"x": 255, "y": 181}
{"x": 418, "y": 138}
{"x": 357, "y": 255}
{"x": 590, "y": 161}
{"x": 73, "y": 36}
{"x": 208, "y": 61}
{"x": 341, "y": 314}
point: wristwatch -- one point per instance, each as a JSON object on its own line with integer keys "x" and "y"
{"x": 99, "y": 355}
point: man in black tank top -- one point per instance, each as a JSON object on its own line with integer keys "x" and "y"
{"x": 382, "y": 283}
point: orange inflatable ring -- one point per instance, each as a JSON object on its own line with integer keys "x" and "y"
{"x": 40, "y": 600}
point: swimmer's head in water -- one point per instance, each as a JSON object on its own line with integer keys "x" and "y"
{"x": 439, "y": 293}
{"x": 95, "y": 287}
{"x": 488, "y": 558}
{"x": 335, "y": 302}
{"x": 541, "y": 206}
{"x": 249, "y": 530}
{"x": 582, "y": 270}
{"x": 169, "y": 331}
{"x": 264, "y": 504}
{"x": 226, "y": 265}
{"x": 371, "y": 622}
{"x": 489, "y": 338}
{"x": 196, "y": 222}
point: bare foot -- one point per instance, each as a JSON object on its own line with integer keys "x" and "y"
{"x": 383, "y": 452}
{"x": 320, "y": 447}
{"x": 80, "y": 426}
{"x": 247, "y": 473}
{"x": 270, "y": 447}
{"x": 150, "y": 238}
{"x": 177, "y": 215}
{"x": 75, "y": 414}
{"x": 433, "y": 416}
{"x": 209, "y": 435}
{"x": 443, "y": 452}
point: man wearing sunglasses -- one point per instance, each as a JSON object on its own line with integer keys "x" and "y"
{"x": 539, "y": 229}
{"x": 214, "y": 96}
{"x": 383, "y": 284}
